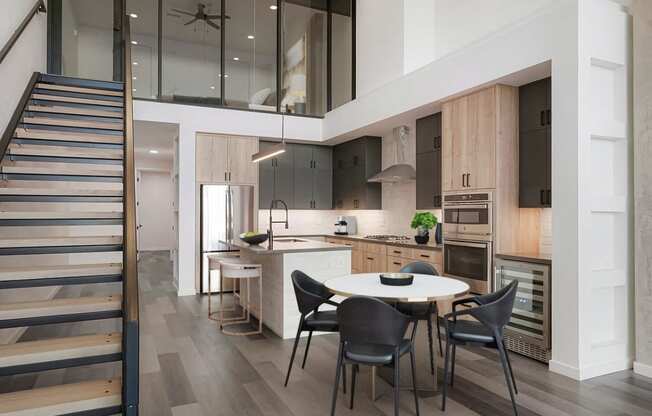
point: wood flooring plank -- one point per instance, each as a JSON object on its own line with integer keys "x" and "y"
{"x": 177, "y": 385}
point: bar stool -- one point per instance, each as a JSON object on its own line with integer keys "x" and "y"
{"x": 214, "y": 264}
{"x": 246, "y": 272}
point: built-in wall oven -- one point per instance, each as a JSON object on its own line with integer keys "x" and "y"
{"x": 468, "y": 239}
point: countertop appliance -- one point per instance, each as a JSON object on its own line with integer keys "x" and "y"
{"x": 226, "y": 212}
{"x": 468, "y": 238}
{"x": 345, "y": 225}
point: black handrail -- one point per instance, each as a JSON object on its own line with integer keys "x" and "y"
{"x": 39, "y": 7}
{"x": 130, "y": 325}
{"x": 18, "y": 114}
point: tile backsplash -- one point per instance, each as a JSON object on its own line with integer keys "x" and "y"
{"x": 399, "y": 202}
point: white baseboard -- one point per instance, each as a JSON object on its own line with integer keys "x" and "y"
{"x": 643, "y": 369}
{"x": 186, "y": 292}
{"x": 591, "y": 371}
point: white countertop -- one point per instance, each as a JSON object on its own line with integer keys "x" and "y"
{"x": 292, "y": 245}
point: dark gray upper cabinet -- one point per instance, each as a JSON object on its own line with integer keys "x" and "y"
{"x": 429, "y": 133}
{"x": 535, "y": 138}
{"x": 275, "y": 177}
{"x": 354, "y": 163}
{"x": 534, "y": 105}
{"x": 313, "y": 177}
{"x": 429, "y": 179}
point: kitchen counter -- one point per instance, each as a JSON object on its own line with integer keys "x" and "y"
{"x": 538, "y": 258}
{"x": 285, "y": 244}
{"x": 432, "y": 245}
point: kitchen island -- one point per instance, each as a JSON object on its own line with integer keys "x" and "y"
{"x": 319, "y": 260}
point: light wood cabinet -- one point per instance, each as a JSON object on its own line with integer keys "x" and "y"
{"x": 470, "y": 129}
{"x": 374, "y": 263}
{"x": 225, "y": 159}
{"x": 395, "y": 264}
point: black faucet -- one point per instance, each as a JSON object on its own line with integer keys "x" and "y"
{"x": 270, "y": 232}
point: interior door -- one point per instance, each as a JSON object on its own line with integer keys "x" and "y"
{"x": 154, "y": 211}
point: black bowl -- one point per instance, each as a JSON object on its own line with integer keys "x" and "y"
{"x": 396, "y": 279}
{"x": 254, "y": 240}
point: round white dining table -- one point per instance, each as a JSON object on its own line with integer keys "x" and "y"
{"x": 425, "y": 288}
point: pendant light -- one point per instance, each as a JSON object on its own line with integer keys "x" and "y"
{"x": 273, "y": 150}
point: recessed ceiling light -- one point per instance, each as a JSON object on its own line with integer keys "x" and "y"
{"x": 273, "y": 7}
{"x": 154, "y": 152}
{"x": 133, "y": 42}
{"x": 226, "y": 75}
{"x": 251, "y": 37}
{"x": 236, "y": 58}
{"x": 134, "y": 15}
{"x": 135, "y": 63}
{"x": 133, "y": 90}
{"x": 212, "y": 87}
{"x": 134, "y": 78}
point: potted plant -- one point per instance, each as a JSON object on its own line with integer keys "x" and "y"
{"x": 423, "y": 222}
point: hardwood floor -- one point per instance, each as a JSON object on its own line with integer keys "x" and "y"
{"x": 189, "y": 368}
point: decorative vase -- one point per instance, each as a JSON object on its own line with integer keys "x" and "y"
{"x": 438, "y": 239}
{"x": 423, "y": 236}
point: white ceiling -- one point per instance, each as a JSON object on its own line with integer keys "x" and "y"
{"x": 150, "y": 135}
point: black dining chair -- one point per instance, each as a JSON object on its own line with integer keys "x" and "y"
{"x": 493, "y": 312}
{"x": 310, "y": 295}
{"x": 423, "y": 311}
{"x": 372, "y": 333}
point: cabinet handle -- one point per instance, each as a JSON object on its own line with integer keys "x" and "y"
{"x": 542, "y": 197}
{"x": 397, "y": 252}
{"x": 355, "y": 203}
{"x": 549, "y": 197}
{"x": 229, "y": 176}
{"x": 396, "y": 263}
{"x": 542, "y": 117}
{"x": 468, "y": 180}
{"x": 225, "y": 179}
{"x": 425, "y": 256}
{"x": 370, "y": 258}
{"x": 549, "y": 115}
{"x": 463, "y": 177}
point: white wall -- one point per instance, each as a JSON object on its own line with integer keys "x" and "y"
{"x": 419, "y": 34}
{"x": 379, "y": 43}
{"x": 26, "y": 57}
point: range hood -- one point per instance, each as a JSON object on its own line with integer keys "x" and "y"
{"x": 400, "y": 171}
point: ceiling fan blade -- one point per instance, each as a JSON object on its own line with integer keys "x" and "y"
{"x": 184, "y": 12}
{"x": 191, "y": 22}
{"x": 217, "y": 16}
{"x": 211, "y": 24}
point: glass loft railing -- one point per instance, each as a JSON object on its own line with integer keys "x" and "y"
{"x": 293, "y": 56}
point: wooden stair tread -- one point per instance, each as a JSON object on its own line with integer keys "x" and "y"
{"x": 73, "y": 110}
{"x": 89, "y": 124}
{"x": 56, "y": 271}
{"x": 63, "y": 306}
{"x": 57, "y": 215}
{"x": 83, "y": 90}
{"x": 9, "y": 206}
{"x": 58, "y": 192}
{"x": 64, "y": 151}
{"x": 55, "y": 349}
{"x": 84, "y": 185}
{"x": 61, "y": 168}
{"x": 39, "y": 134}
{"x": 62, "y": 399}
{"x": 75, "y": 100}
{"x": 60, "y": 241}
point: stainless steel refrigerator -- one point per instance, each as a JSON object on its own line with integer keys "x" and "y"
{"x": 226, "y": 212}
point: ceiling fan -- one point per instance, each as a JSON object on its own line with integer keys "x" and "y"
{"x": 201, "y": 15}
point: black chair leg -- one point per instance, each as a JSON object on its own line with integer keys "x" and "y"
{"x": 354, "y": 372}
{"x": 397, "y": 382}
{"x": 503, "y": 361}
{"x": 294, "y": 351}
{"x": 445, "y": 383}
{"x": 305, "y": 354}
{"x": 509, "y": 363}
{"x": 343, "y": 378}
{"x": 432, "y": 359}
{"x": 414, "y": 380}
{"x": 436, "y": 313}
{"x": 336, "y": 385}
{"x": 453, "y": 364}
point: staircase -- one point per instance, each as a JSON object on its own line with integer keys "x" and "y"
{"x": 63, "y": 221}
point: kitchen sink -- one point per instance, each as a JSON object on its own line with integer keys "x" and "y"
{"x": 290, "y": 240}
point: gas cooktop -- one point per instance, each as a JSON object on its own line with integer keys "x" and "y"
{"x": 387, "y": 237}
